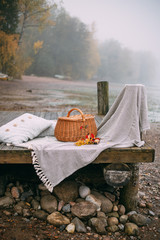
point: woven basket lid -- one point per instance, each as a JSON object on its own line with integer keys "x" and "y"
{"x": 80, "y": 117}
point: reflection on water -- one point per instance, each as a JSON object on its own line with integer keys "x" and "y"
{"x": 153, "y": 97}
{"x": 153, "y": 94}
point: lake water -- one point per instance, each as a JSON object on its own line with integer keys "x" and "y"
{"x": 87, "y": 96}
{"x": 153, "y": 94}
{"x": 153, "y": 99}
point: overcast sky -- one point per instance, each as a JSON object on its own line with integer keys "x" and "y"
{"x": 134, "y": 23}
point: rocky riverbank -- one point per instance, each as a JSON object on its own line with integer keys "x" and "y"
{"x": 72, "y": 209}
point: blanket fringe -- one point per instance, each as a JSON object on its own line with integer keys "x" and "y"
{"x": 40, "y": 173}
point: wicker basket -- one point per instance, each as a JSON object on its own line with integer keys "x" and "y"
{"x": 73, "y": 128}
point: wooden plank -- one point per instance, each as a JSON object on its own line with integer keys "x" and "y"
{"x": 3, "y": 116}
{"x": 110, "y": 155}
{"x": 126, "y": 155}
{"x": 8, "y": 116}
{"x": 48, "y": 115}
{"x": 22, "y": 156}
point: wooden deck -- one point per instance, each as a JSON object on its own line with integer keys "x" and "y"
{"x": 15, "y": 155}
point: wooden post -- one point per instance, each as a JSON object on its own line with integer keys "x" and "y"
{"x": 129, "y": 193}
{"x": 103, "y": 97}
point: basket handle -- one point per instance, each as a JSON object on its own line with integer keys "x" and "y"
{"x": 77, "y": 109}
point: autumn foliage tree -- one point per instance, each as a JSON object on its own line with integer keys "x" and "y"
{"x": 8, "y": 47}
{"x": 16, "y": 17}
{"x": 8, "y": 36}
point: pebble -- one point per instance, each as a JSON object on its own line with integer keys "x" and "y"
{"x": 123, "y": 219}
{"x": 121, "y": 209}
{"x": 96, "y": 236}
{"x": 98, "y": 224}
{"x": 131, "y": 229}
{"x": 66, "y": 208}
{"x": 106, "y": 238}
{"x": 42, "y": 187}
{"x": 66, "y": 191}
{"x": 110, "y": 196}
{"x": 57, "y": 219}
{"x": 25, "y": 195}
{"x": 70, "y": 228}
{"x": 117, "y": 234}
{"x": 131, "y": 213}
{"x": 7, "y": 213}
{"x": 112, "y": 221}
{"x": 88, "y": 228}
{"x": 151, "y": 213}
{"x": 101, "y": 214}
{"x": 60, "y": 205}
{"x": 6, "y": 201}
{"x": 72, "y": 203}
{"x": 26, "y": 213}
{"x": 121, "y": 227}
{"x": 113, "y": 228}
{"x": 139, "y": 219}
{"x": 15, "y": 192}
{"x": 84, "y": 210}
{"x": 149, "y": 205}
{"x": 20, "y": 188}
{"x": 40, "y": 214}
{"x": 45, "y": 193}
{"x": 49, "y": 203}
{"x": 142, "y": 204}
{"x": 106, "y": 204}
{"x": 113, "y": 214}
{"x": 145, "y": 197}
{"x": 18, "y": 209}
{"x": 80, "y": 227}
{"x": 84, "y": 191}
{"x": 91, "y": 198}
{"x": 141, "y": 194}
{"x": 115, "y": 208}
{"x": 35, "y": 204}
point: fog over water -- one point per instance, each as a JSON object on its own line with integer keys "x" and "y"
{"x": 134, "y": 23}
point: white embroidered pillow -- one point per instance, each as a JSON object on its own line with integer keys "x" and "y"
{"x": 23, "y": 128}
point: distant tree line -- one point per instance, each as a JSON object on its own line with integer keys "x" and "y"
{"x": 36, "y": 38}
{"x": 69, "y": 49}
{"x": 119, "y": 64}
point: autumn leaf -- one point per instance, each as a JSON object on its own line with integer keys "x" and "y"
{"x": 37, "y": 46}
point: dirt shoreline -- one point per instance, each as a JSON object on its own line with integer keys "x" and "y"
{"x": 39, "y": 94}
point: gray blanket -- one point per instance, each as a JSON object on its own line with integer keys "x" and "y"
{"x": 121, "y": 127}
